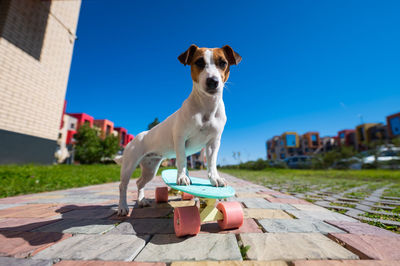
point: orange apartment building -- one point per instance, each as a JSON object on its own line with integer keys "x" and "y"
{"x": 310, "y": 143}
{"x": 106, "y": 127}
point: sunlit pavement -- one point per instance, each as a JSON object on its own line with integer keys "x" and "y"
{"x": 79, "y": 227}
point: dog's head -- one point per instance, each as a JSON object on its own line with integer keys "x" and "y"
{"x": 210, "y": 66}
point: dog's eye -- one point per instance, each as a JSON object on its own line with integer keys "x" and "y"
{"x": 200, "y": 63}
{"x": 222, "y": 64}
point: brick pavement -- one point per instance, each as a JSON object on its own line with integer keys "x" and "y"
{"x": 79, "y": 227}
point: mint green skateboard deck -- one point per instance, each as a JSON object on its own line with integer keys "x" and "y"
{"x": 199, "y": 187}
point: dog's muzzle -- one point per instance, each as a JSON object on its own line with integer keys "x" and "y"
{"x": 212, "y": 85}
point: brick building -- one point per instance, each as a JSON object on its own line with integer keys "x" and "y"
{"x": 36, "y": 44}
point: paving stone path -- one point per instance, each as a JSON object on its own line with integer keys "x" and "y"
{"x": 79, "y": 227}
{"x": 358, "y": 207}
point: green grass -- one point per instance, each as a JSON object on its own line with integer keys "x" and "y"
{"x": 26, "y": 179}
{"x": 339, "y": 211}
{"x": 382, "y": 216}
{"x": 393, "y": 191}
{"x": 348, "y": 205}
{"x": 384, "y": 226}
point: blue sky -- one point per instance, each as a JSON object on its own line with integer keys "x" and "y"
{"x": 307, "y": 65}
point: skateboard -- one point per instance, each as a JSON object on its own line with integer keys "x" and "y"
{"x": 187, "y": 220}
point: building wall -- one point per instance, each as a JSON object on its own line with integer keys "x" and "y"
{"x": 64, "y": 137}
{"x": 36, "y": 44}
{"x": 362, "y": 136}
{"x": 82, "y": 119}
{"x": 393, "y": 123}
{"x": 102, "y": 125}
{"x": 310, "y": 143}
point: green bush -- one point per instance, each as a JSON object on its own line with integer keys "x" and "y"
{"x": 89, "y": 148}
{"x": 328, "y": 159}
{"x": 110, "y": 146}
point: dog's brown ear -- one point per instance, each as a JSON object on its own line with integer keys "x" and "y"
{"x": 186, "y": 57}
{"x": 233, "y": 57}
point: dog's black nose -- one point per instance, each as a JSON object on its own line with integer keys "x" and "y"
{"x": 212, "y": 83}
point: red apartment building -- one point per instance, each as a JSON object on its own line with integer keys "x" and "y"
{"x": 130, "y": 137}
{"x": 122, "y": 136}
{"x": 82, "y": 119}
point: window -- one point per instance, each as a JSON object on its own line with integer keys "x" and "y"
{"x": 59, "y": 135}
{"x": 291, "y": 140}
{"x": 108, "y": 130}
{"x": 314, "y": 140}
{"x": 395, "y": 125}
{"x": 72, "y": 126}
{"x": 361, "y": 133}
{"x": 123, "y": 138}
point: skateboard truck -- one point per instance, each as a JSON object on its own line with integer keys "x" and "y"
{"x": 188, "y": 219}
{"x": 209, "y": 212}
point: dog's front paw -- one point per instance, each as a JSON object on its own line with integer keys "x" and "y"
{"x": 217, "y": 181}
{"x": 183, "y": 180}
{"x": 123, "y": 209}
{"x": 144, "y": 203}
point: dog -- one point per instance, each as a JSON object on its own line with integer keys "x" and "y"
{"x": 197, "y": 124}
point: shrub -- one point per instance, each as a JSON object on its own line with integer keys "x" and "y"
{"x": 89, "y": 148}
{"x": 110, "y": 146}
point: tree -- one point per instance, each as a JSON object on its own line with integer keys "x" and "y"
{"x": 110, "y": 146}
{"x": 88, "y": 147}
{"x": 153, "y": 124}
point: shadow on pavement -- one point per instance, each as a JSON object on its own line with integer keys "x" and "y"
{"x": 92, "y": 220}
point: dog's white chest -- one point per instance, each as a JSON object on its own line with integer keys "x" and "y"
{"x": 206, "y": 128}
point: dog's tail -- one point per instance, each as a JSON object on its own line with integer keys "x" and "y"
{"x": 118, "y": 159}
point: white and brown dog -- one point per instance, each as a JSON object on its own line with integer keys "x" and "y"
{"x": 197, "y": 124}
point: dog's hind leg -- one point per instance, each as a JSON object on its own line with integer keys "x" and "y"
{"x": 149, "y": 166}
{"x": 133, "y": 154}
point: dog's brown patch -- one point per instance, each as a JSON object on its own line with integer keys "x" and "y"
{"x": 221, "y": 62}
{"x": 194, "y": 69}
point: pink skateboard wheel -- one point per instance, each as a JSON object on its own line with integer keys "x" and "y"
{"x": 186, "y": 221}
{"x": 161, "y": 194}
{"x": 233, "y": 215}
{"x": 187, "y": 196}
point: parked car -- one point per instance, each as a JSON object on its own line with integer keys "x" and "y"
{"x": 277, "y": 164}
{"x": 354, "y": 163}
{"x": 299, "y": 162}
{"x": 386, "y": 158}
